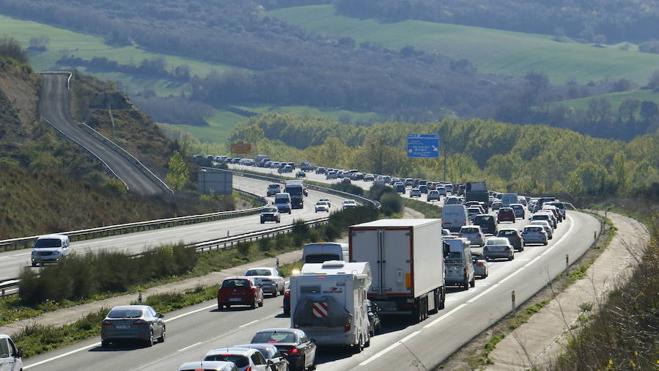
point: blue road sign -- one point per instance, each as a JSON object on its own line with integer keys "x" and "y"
{"x": 422, "y": 145}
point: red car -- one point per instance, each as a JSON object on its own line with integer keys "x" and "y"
{"x": 506, "y": 214}
{"x": 239, "y": 291}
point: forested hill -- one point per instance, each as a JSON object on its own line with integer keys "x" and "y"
{"x": 527, "y": 158}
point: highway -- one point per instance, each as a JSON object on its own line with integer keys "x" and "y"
{"x": 54, "y": 109}
{"x": 12, "y": 262}
{"x": 194, "y": 331}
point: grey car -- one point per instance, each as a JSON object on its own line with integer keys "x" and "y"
{"x": 268, "y": 279}
{"x": 534, "y": 234}
{"x": 133, "y": 322}
{"x": 272, "y": 355}
{"x": 498, "y": 248}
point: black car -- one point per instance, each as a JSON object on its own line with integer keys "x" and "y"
{"x": 513, "y": 236}
{"x": 487, "y": 223}
{"x": 294, "y": 344}
{"x": 374, "y": 323}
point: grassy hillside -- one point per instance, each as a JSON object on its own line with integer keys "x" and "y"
{"x": 49, "y": 184}
{"x": 614, "y": 98}
{"x": 490, "y": 50}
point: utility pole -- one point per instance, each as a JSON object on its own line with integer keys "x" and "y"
{"x": 445, "y": 160}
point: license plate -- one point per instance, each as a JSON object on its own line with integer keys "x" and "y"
{"x": 122, "y": 327}
{"x": 235, "y": 299}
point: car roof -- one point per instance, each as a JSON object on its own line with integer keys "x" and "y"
{"x": 495, "y": 239}
{"x": 237, "y": 278}
{"x": 207, "y": 365}
{"x": 268, "y": 268}
{"x": 282, "y": 329}
{"x": 232, "y": 350}
{"x": 54, "y": 236}
{"x": 141, "y": 307}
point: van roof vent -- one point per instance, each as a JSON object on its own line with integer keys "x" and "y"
{"x": 333, "y": 264}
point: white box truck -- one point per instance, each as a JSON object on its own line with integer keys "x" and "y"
{"x": 407, "y": 263}
{"x": 328, "y": 302}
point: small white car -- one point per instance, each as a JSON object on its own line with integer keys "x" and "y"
{"x": 268, "y": 279}
{"x": 50, "y": 249}
{"x": 326, "y": 200}
{"x": 244, "y": 359}
{"x": 322, "y": 206}
{"x": 546, "y": 226}
{"x": 10, "y": 355}
{"x": 347, "y": 204}
{"x": 473, "y": 233}
{"x": 208, "y": 366}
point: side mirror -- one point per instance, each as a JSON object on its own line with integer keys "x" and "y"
{"x": 160, "y": 315}
{"x": 19, "y": 354}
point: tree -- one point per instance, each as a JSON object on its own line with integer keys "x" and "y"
{"x": 39, "y": 43}
{"x": 649, "y": 110}
{"x": 178, "y": 173}
{"x": 653, "y": 82}
{"x": 627, "y": 110}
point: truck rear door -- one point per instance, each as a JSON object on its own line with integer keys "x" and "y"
{"x": 397, "y": 262}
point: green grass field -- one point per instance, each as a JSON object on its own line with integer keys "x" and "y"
{"x": 85, "y": 46}
{"x": 615, "y": 98}
{"x": 491, "y": 51}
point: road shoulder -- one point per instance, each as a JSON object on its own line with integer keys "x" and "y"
{"x": 538, "y": 342}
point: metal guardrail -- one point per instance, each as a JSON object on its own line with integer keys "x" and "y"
{"x": 86, "y": 234}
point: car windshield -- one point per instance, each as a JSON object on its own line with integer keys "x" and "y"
{"x": 47, "y": 243}
{"x": 125, "y": 313}
{"x": 230, "y": 284}
{"x": 506, "y": 233}
{"x": 454, "y": 255}
{"x": 269, "y": 210}
{"x": 483, "y": 219}
{"x": 274, "y": 337}
{"x": 497, "y": 241}
{"x": 540, "y": 217}
{"x": 469, "y": 230}
{"x": 321, "y": 258}
{"x": 533, "y": 229}
{"x": 258, "y": 272}
{"x": 238, "y": 360}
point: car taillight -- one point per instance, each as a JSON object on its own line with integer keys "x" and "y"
{"x": 480, "y": 263}
{"x": 139, "y": 322}
{"x": 347, "y": 326}
{"x": 249, "y": 368}
{"x": 106, "y": 323}
{"x": 287, "y": 293}
{"x": 294, "y": 351}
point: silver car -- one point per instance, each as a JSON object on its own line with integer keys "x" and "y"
{"x": 272, "y": 355}
{"x": 546, "y": 226}
{"x": 473, "y": 233}
{"x": 268, "y": 279}
{"x": 133, "y": 322}
{"x": 498, "y": 248}
{"x": 534, "y": 234}
{"x": 322, "y": 206}
{"x": 480, "y": 265}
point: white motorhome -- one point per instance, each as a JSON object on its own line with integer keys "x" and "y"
{"x": 454, "y": 217}
{"x": 319, "y": 252}
{"x": 328, "y": 302}
{"x": 407, "y": 261}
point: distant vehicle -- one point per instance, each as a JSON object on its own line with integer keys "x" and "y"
{"x": 321, "y": 170}
{"x": 133, "y": 322}
{"x": 272, "y": 355}
{"x": 442, "y": 191}
{"x": 480, "y": 266}
{"x": 487, "y": 223}
{"x": 458, "y": 263}
{"x": 554, "y": 211}
{"x": 508, "y": 199}
{"x": 208, "y": 366}
{"x": 319, "y": 252}
{"x": 375, "y": 324}
{"x": 559, "y": 205}
{"x": 534, "y": 234}
{"x": 547, "y": 227}
{"x": 473, "y": 211}
{"x": 518, "y": 209}
{"x": 423, "y": 189}
{"x": 326, "y": 200}
{"x": 369, "y": 178}
{"x": 295, "y": 188}
{"x": 454, "y": 216}
{"x": 477, "y": 191}
{"x": 294, "y": 345}
{"x": 505, "y": 214}
{"x": 239, "y": 291}
{"x": 50, "y": 249}
{"x": 328, "y": 302}
{"x": 410, "y": 246}
{"x": 347, "y": 204}
{"x": 542, "y": 200}
{"x": 399, "y": 187}
{"x": 300, "y": 174}
{"x": 307, "y": 166}
{"x": 11, "y": 358}
{"x": 273, "y": 189}
{"x": 513, "y": 237}
{"x": 346, "y": 181}
{"x": 270, "y": 214}
{"x": 415, "y": 192}
{"x": 283, "y": 203}
{"x": 498, "y": 247}
{"x": 433, "y": 196}
{"x": 331, "y": 175}
{"x": 260, "y": 160}
{"x": 409, "y": 182}
{"x": 285, "y": 169}
{"x": 268, "y": 279}
{"x": 474, "y": 234}
{"x": 544, "y": 216}
{"x": 452, "y": 200}
{"x": 322, "y": 206}
{"x": 245, "y": 359}
{"x": 522, "y": 200}
{"x": 449, "y": 188}
{"x": 379, "y": 181}
{"x": 496, "y": 205}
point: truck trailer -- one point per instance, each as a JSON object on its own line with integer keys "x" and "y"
{"x": 407, "y": 264}
{"x": 328, "y": 302}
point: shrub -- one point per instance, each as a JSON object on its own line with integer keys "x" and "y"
{"x": 391, "y": 203}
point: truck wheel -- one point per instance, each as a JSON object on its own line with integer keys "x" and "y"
{"x": 435, "y": 297}
{"x": 465, "y": 284}
{"x": 473, "y": 282}
{"x": 368, "y": 341}
{"x": 442, "y": 299}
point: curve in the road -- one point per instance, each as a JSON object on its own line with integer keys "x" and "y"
{"x": 54, "y": 109}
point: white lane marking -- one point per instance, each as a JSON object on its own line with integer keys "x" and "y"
{"x": 380, "y": 353}
{"x": 190, "y": 313}
{"x": 62, "y": 355}
{"x": 408, "y": 337}
{"x": 189, "y": 346}
{"x": 248, "y": 323}
{"x": 433, "y": 323}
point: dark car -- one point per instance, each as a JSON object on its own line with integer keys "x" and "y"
{"x": 239, "y": 291}
{"x": 423, "y": 189}
{"x": 294, "y": 344}
{"x": 487, "y": 223}
{"x": 133, "y": 322}
{"x": 506, "y": 214}
{"x": 374, "y": 323}
{"x": 513, "y": 236}
{"x": 519, "y": 211}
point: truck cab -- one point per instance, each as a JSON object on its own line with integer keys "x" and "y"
{"x": 458, "y": 262}
{"x": 319, "y": 252}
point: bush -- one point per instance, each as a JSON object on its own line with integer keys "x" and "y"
{"x": 349, "y": 188}
{"x": 391, "y": 203}
{"x": 12, "y": 49}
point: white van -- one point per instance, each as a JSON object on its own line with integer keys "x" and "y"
{"x": 328, "y": 302}
{"x": 508, "y": 199}
{"x": 10, "y": 355}
{"x": 319, "y": 252}
{"x": 50, "y": 249}
{"x": 454, "y": 217}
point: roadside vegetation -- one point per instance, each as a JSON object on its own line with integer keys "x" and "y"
{"x": 429, "y": 211}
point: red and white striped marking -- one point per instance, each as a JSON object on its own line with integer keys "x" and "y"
{"x": 319, "y": 309}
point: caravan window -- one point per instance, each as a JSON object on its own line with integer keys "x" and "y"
{"x": 321, "y": 258}
{"x": 310, "y": 289}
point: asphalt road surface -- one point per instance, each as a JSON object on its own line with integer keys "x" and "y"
{"x": 402, "y": 345}
{"x": 12, "y": 262}
{"x": 54, "y": 108}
